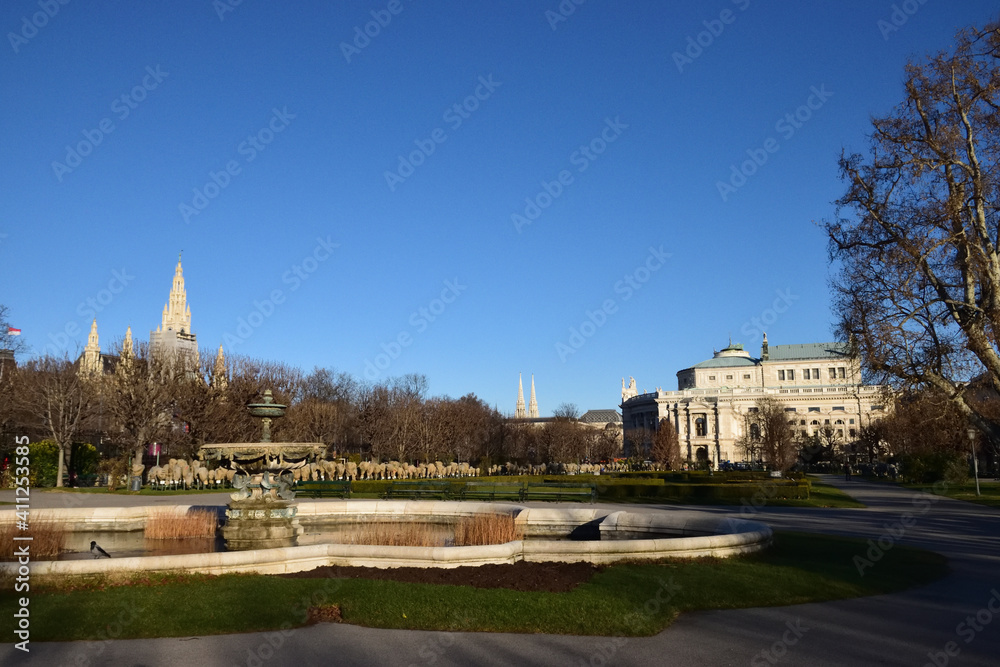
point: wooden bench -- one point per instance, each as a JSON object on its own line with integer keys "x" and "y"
{"x": 557, "y": 492}
{"x": 493, "y": 491}
{"x": 414, "y": 490}
{"x": 340, "y": 488}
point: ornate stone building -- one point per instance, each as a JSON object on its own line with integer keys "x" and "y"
{"x": 819, "y": 385}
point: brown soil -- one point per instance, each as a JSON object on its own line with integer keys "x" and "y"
{"x": 519, "y": 576}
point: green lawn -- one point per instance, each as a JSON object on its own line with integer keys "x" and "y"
{"x": 622, "y": 600}
{"x": 966, "y": 491}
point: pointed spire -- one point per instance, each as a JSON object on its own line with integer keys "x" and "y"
{"x": 519, "y": 411}
{"x": 92, "y": 353}
{"x": 533, "y": 404}
{"x": 219, "y": 379}
{"x": 128, "y": 349}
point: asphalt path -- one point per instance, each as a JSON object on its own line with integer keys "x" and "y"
{"x": 953, "y": 621}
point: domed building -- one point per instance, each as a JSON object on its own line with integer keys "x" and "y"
{"x": 818, "y": 384}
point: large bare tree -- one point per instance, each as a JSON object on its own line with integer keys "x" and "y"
{"x": 768, "y": 436}
{"x": 666, "y": 447}
{"x": 138, "y": 396}
{"x": 916, "y": 240}
{"x": 52, "y": 391}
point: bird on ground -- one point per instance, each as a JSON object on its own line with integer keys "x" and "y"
{"x": 98, "y": 551}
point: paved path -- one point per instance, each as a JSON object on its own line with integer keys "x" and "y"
{"x": 908, "y": 628}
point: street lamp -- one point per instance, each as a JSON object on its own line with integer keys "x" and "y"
{"x": 975, "y": 463}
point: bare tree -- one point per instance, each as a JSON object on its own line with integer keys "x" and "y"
{"x": 919, "y": 244}
{"x": 566, "y": 411}
{"x": 768, "y": 436}
{"x": 666, "y": 448}
{"x": 138, "y": 396}
{"x": 52, "y": 390}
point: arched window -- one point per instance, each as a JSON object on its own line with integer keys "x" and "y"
{"x": 700, "y": 427}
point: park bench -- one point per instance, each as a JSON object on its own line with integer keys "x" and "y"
{"x": 493, "y": 491}
{"x": 414, "y": 490}
{"x": 333, "y": 488}
{"x": 560, "y": 491}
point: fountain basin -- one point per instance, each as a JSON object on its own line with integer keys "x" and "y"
{"x": 673, "y": 533}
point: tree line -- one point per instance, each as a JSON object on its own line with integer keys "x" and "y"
{"x": 141, "y": 399}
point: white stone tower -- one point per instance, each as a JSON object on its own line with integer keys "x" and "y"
{"x": 174, "y": 336}
{"x": 519, "y": 411}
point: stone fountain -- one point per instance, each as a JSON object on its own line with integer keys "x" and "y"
{"x": 261, "y": 514}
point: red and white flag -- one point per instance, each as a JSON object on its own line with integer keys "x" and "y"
{"x": 11, "y": 331}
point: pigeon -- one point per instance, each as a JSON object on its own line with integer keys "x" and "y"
{"x": 98, "y": 551}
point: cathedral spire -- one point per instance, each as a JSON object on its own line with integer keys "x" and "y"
{"x": 92, "y": 353}
{"x": 533, "y": 404}
{"x": 128, "y": 349}
{"x": 177, "y": 314}
{"x": 519, "y": 411}
{"x": 219, "y": 379}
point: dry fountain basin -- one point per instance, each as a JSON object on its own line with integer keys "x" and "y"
{"x": 615, "y": 535}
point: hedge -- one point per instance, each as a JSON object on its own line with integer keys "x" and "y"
{"x": 620, "y": 489}
{"x": 727, "y": 493}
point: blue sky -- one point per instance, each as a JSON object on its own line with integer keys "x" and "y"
{"x": 459, "y": 191}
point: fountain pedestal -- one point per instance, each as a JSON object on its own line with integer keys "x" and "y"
{"x": 259, "y": 524}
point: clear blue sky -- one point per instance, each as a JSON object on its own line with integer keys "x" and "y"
{"x": 620, "y": 143}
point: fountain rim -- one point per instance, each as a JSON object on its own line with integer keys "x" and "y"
{"x": 702, "y": 534}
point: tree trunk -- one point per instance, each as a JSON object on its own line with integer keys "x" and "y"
{"x": 62, "y": 466}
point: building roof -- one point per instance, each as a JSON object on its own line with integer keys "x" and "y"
{"x": 799, "y": 352}
{"x": 601, "y": 416}
{"x": 726, "y": 362}
{"x": 808, "y": 351}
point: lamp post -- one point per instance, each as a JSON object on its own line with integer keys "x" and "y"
{"x": 975, "y": 463}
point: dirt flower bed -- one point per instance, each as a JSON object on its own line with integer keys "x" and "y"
{"x": 519, "y": 576}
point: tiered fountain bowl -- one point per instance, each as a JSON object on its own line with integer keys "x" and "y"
{"x": 261, "y": 514}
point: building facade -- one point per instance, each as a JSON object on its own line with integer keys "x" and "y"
{"x": 818, "y": 384}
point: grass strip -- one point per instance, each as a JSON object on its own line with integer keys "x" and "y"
{"x": 629, "y": 599}
{"x": 966, "y": 491}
